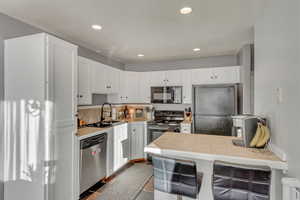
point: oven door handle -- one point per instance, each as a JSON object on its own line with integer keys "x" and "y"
{"x": 159, "y": 129}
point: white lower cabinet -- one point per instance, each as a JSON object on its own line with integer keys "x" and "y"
{"x": 125, "y": 142}
{"x": 121, "y": 148}
{"x": 136, "y": 132}
{"x": 110, "y": 153}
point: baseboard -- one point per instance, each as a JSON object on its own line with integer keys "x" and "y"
{"x": 278, "y": 151}
{"x": 138, "y": 160}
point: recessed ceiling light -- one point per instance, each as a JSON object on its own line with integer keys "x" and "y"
{"x": 186, "y": 10}
{"x": 196, "y": 49}
{"x": 140, "y": 55}
{"x": 96, "y": 27}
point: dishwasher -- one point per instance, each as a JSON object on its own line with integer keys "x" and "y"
{"x": 92, "y": 161}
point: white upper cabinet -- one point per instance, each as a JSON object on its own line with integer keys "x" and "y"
{"x": 144, "y": 87}
{"x": 173, "y": 78}
{"x": 187, "y": 86}
{"x": 84, "y": 81}
{"x": 135, "y": 87}
{"x": 157, "y": 78}
{"x": 169, "y": 78}
{"x": 96, "y": 78}
{"x": 226, "y": 74}
{"x": 99, "y": 73}
{"x": 129, "y": 87}
{"x": 220, "y": 75}
{"x": 201, "y": 76}
{"x": 112, "y": 80}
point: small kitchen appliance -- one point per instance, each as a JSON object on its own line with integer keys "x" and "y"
{"x": 244, "y": 127}
{"x": 166, "y": 95}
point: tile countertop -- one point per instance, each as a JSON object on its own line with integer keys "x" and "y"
{"x": 210, "y": 147}
{"x": 85, "y": 132}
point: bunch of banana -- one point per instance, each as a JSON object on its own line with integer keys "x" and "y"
{"x": 261, "y": 137}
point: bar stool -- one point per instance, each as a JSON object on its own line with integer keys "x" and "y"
{"x": 177, "y": 177}
{"x": 239, "y": 182}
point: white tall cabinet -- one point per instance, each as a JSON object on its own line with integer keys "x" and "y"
{"x": 40, "y": 119}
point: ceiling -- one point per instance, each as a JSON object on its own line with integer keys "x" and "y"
{"x": 154, "y": 28}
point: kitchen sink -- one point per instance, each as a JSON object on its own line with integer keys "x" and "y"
{"x": 103, "y": 124}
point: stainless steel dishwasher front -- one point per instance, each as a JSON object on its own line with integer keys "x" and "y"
{"x": 92, "y": 160}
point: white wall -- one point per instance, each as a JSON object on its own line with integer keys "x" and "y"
{"x": 171, "y": 106}
{"x": 245, "y": 61}
{"x": 212, "y": 61}
{"x": 11, "y": 28}
{"x": 277, "y": 65}
{"x": 1, "y": 118}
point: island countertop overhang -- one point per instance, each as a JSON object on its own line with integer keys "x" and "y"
{"x": 212, "y": 148}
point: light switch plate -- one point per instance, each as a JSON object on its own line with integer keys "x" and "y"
{"x": 296, "y": 193}
{"x": 279, "y": 96}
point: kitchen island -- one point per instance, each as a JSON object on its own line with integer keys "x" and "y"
{"x": 205, "y": 149}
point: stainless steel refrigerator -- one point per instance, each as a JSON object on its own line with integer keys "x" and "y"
{"x": 213, "y": 106}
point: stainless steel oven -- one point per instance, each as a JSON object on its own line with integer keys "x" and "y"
{"x": 166, "y": 95}
{"x": 163, "y": 121}
{"x": 155, "y": 131}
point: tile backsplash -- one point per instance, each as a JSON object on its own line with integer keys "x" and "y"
{"x": 90, "y": 115}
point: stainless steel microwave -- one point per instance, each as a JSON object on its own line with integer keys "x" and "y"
{"x": 166, "y": 95}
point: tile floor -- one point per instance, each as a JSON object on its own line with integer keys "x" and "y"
{"x": 133, "y": 183}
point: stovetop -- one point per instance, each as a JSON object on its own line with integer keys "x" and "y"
{"x": 167, "y": 118}
{"x": 162, "y": 122}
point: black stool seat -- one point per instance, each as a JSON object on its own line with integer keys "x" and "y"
{"x": 238, "y": 182}
{"x": 175, "y": 176}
